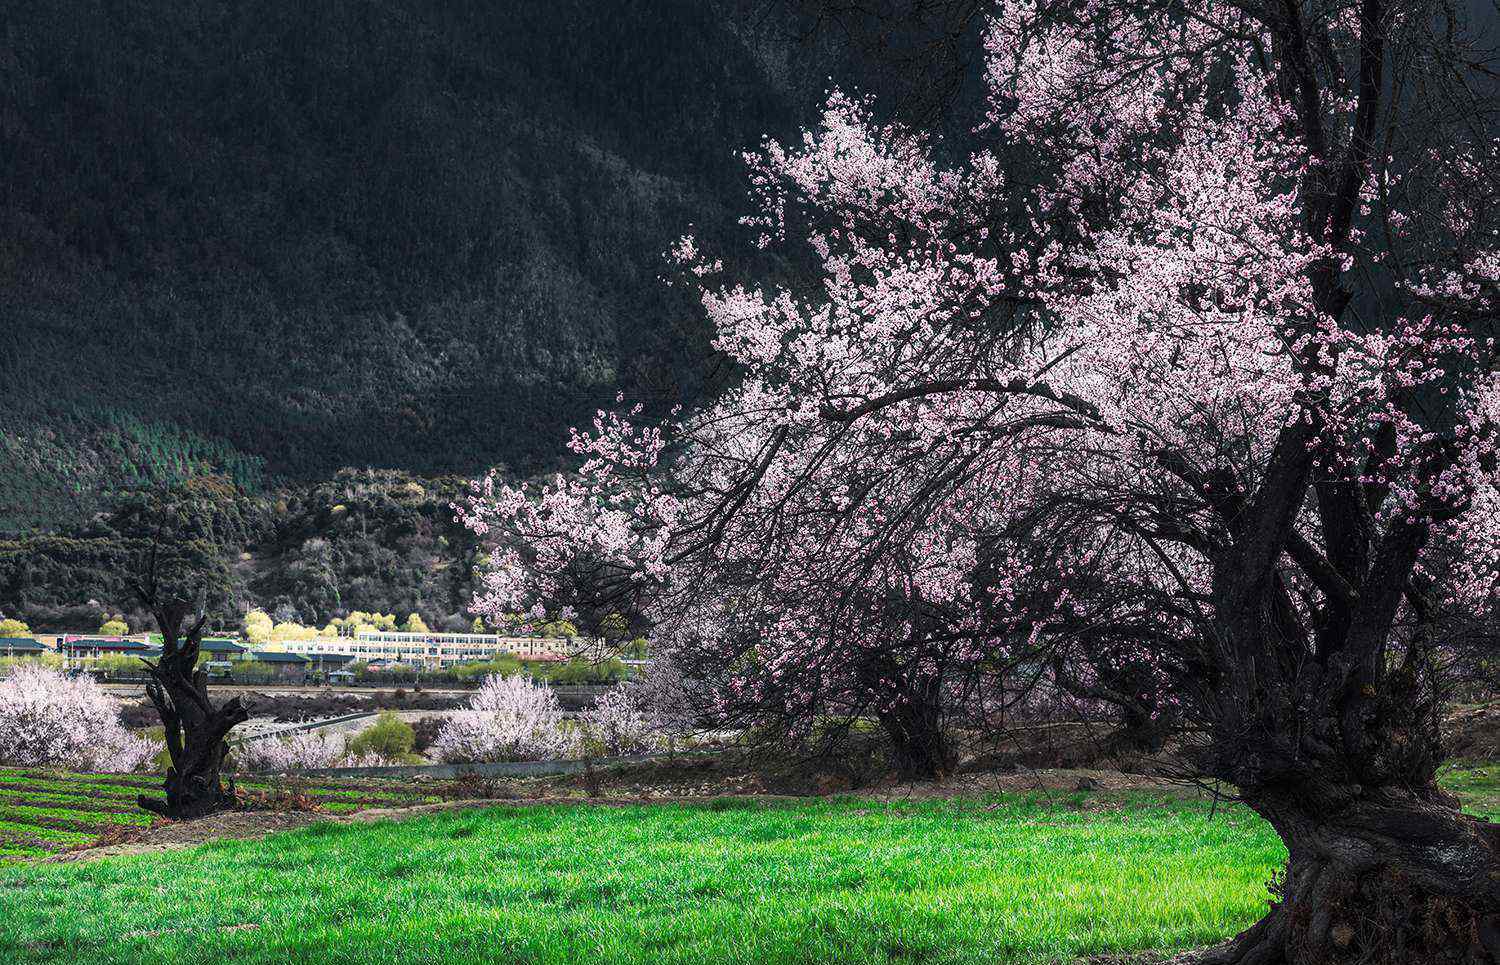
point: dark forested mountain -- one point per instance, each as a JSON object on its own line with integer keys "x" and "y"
{"x": 270, "y": 240}
{"x": 363, "y": 540}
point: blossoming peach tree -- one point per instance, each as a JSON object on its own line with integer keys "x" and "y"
{"x": 1190, "y": 371}
{"x": 50, "y": 720}
{"x": 509, "y": 718}
{"x": 303, "y": 750}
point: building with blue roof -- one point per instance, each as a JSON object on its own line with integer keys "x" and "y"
{"x": 20, "y": 647}
{"x": 218, "y": 648}
{"x": 91, "y": 648}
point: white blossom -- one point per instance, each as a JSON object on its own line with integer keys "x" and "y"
{"x": 507, "y": 719}
{"x": 50, "y": 720}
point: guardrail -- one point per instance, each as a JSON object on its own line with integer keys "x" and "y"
{"x": 304, "y": 725}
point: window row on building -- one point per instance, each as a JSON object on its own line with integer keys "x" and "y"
{"x": 440, "y": 649}
{"x": 418, "y": 649}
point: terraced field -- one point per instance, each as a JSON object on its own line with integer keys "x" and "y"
{"x": 43, "y": 812}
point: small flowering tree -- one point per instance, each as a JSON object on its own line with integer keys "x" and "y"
{"x": 619, "y": 723}
{"x": 507, "y": 719}
{"x": 49, "y": 720}
{"x": 299, "y": 751}
{"x": 647, "y": 712}
{"x": 1182, "y": 379}
{"x": 672, "y": 701}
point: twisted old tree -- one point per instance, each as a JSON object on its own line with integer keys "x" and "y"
{"x": 1187, "y": 381}
{"x": 195, "y": 728}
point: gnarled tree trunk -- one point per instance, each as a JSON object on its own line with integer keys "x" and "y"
{"x": 1340, "y": 754}
{"x": 1391, "y": 878}
{"x": 919, "y": 748}
{"x": 195, "y": 728}
{"x": 909, "y": 703}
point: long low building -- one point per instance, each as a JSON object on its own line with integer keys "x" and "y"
{"x": 440, "y": 649}
{"x": 287, "y": 666}
{"x": 219, "y": 648}
{"x": 78, "y": 647}
{"x": 20, "y": 647}
{"x": 429, "y": 650}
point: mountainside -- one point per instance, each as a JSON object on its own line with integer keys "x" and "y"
{"x": 372, "y": 540}
{"x": 271, "y": 240}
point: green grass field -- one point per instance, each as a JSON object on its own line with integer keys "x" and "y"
{"x": 1476, "y": 784}
{"x": 42, "y": 812}
{"x": 1039, "y": 878}
{"x": 1008, "y": 879}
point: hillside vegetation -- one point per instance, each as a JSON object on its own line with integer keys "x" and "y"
{"x": 363, "y": 540}
{"x": 273, "y": 241}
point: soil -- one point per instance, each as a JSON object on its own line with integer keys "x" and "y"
{"x": 1473, "y": 733}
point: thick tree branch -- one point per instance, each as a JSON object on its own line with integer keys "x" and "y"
{"x": 1016, "y": 386}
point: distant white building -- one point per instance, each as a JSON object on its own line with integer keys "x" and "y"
{"x": 440, "y": 649}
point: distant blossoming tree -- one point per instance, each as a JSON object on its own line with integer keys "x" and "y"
{"x": 651, "y": 710}
{"x": 507, "y": 719}
{"x": 304, "y": 750}
{"x": 619, "y": 722}
{"x": 50, "y": 720}
{"x": 1187, "y": 382}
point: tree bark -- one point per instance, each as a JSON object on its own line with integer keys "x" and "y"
{"x": 196, "y": 732}
{"x": 195, "y": 729}
{"x": 1393, "y": 878}
{"x": 920, "y": 749}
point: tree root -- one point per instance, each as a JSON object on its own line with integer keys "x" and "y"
{"x": 1378, "y": 918}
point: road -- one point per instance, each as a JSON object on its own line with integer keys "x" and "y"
{"x": 139, "y": 689}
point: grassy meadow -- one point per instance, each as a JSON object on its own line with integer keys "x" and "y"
{"x": 1038, "y": 878}
{"x": 1010, "y": 879}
